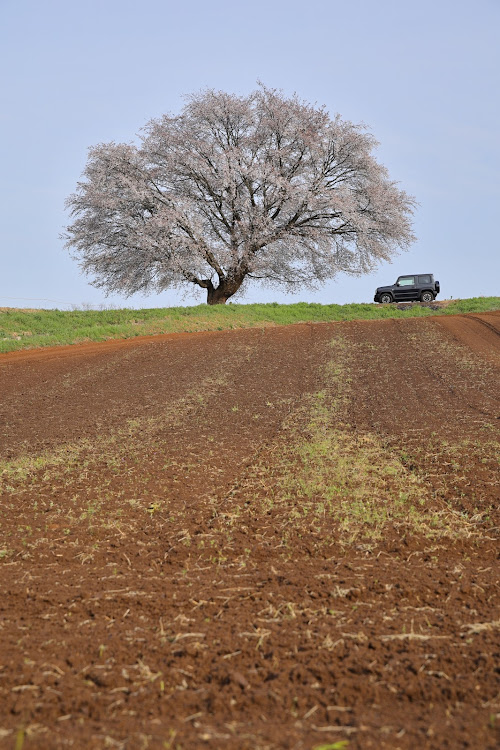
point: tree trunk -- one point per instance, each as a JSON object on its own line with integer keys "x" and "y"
{"x": 220, "y": 295}
{"x": 215, "y": 296}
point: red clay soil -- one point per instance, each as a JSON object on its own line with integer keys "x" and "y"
{"x": 132, "y": 617}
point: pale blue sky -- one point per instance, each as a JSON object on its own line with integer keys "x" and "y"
{"x": 423, "y": 76}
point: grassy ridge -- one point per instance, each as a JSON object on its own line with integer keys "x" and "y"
{"x": 26, "y": 329}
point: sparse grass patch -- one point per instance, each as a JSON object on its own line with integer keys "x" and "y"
{"x": 335, "y": 476}
{"x": 109, "y": 450}
{"x": 83, "y": 472}
{"x": 321, "y": 474}
{"x": 463, "y": 475}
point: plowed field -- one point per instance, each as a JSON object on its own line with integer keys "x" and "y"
{"x": 269, "y": 538}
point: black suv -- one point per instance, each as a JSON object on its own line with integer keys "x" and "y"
{"x": 409, "y": 288}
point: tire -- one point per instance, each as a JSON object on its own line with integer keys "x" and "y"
{"x": 427, "y": 297}
{"x": 385, "y": 298}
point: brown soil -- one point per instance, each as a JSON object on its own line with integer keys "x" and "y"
{"x": 135, "y": 613}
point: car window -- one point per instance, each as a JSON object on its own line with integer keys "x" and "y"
{"x": 406, "y": 280}
{"x": 424, "y": 279}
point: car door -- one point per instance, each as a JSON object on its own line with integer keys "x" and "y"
{"x": 405, "y": 288}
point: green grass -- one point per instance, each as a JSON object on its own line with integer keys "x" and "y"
{"x": 27, "y": 329}
{"x": 342, "y": 484}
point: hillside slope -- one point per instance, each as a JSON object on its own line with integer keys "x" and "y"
{"x": 265, "y": 538}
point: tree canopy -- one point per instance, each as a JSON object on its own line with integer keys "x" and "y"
{"x": 236, "y": 188}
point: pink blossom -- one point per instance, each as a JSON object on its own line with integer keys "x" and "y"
{"x": 232, "y": 189}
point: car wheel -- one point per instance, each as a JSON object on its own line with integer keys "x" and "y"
{"x": 427, "y": 297}
{"x": 385, "y": 299}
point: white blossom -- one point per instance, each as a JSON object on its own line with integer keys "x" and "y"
{"x": 236, "y": 188}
